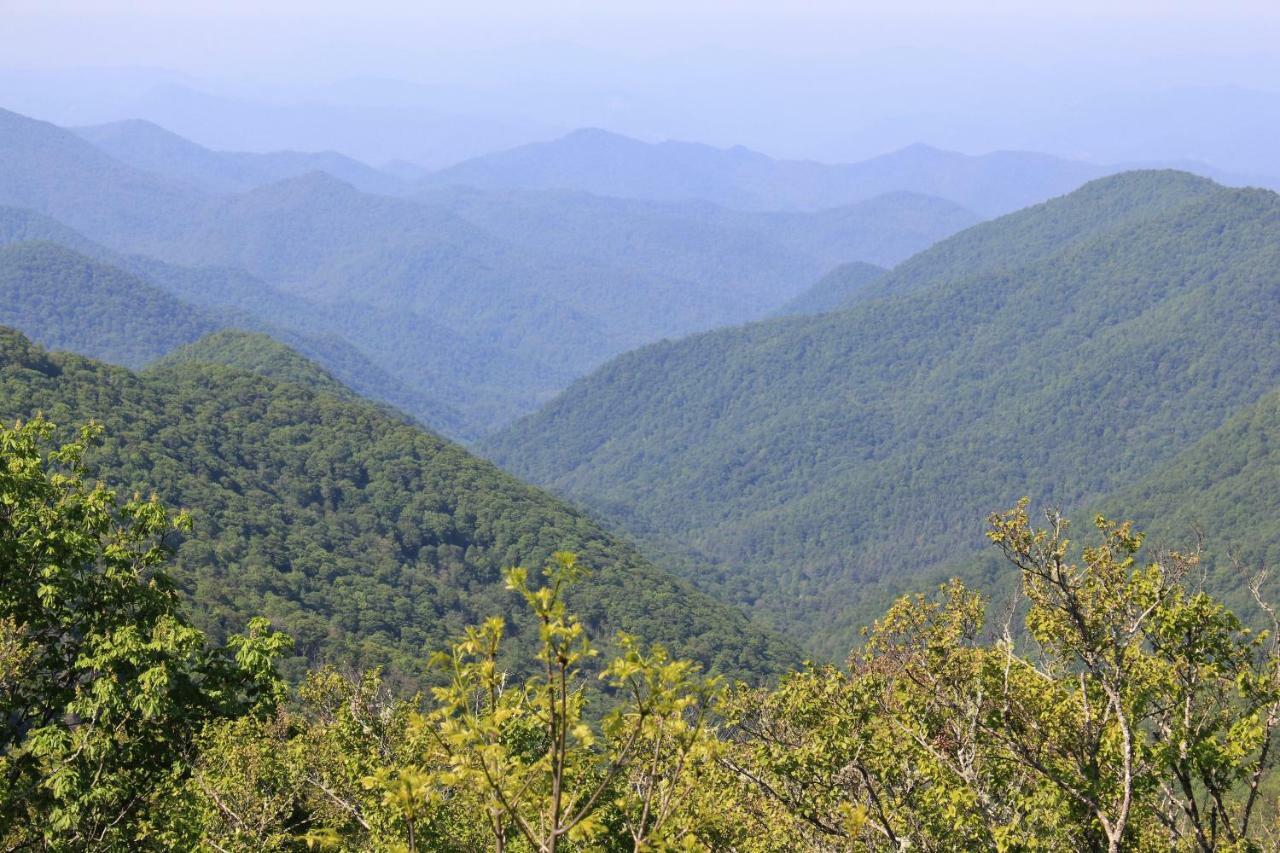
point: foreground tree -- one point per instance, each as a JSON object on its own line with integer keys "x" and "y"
{"x": 1166, "y": 705}
{"x": 1139, "y": 714}
{"x": 491, "y": 763}
{"x": 535, "y": 768}
{"x": 103, "y": 684}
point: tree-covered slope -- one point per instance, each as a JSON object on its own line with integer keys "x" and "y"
{"x": 604, "y": 163}
{"x": 463, "y": 289}
{"x": 440, "y": 391}
{"x": 256, "y": 353}
{"x": 20, "y": 225}
{"x": 287, "y": 357}
{"x": 1039, "y": 232}
{"x": 837, "y": 288}
{"x": 1220, "y": 497}
{"x": 472, "y": 288}
{"x": 148, "y": 146}
{"x": 368, "y": 539}
{"x": 1227, "y": 487}
{"x": 228, "y": 297}
{"x": 807, "y": 456}
{"x": 65, "y": 300}
{"x": 53, "y": 171}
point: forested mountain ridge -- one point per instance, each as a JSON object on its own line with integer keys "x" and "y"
{"x": 53, "y": 171}
{"x": 68, "y": 301}
{"x": 611, "y": 274}
{"x": 256, "y": 353}
{"x": 130, "y": 310}
{"x": 20, "y": 225}
{"x": 604, "y": 163}
{"x": 837, "y": 289}
{"x": 369, "y": 539}
{"x": 147, "y": 146}
{"x": 741, "y": 262}
{"x": 808, "y": 456}
{"x": 1043, "y": 230}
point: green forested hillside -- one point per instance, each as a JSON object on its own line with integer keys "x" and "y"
{"x": 1044, "y": 230}
{"x": 806, "y": 456}
{"x": 500, "y": 268}
{"x": 1220, "y": 496}
{"x": 266, "y": 355}
{"x": 369, "y": 539}
{"x": 68, "y": 301}
{"x": 428, "y": 293}
{"x": 441, "y": 367}
{"x": 1144, "y": 716}
{"x": 325, "y": 333}
{"x": 836, "y": 289}
{"x": 257, "y": 353}
{"x": 1226, "y": 488}
{"x": 19, "y": 225}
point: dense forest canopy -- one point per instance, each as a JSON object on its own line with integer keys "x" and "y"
{"x": 806, "y": 457}
{"x": 1145, "y": 720}
{"x": 837, "y": 289}
{"x": 366, "y": 537}
{"x": 68, "y": 301}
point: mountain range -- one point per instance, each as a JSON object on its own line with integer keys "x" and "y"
{"x": 1063, "y": 352}
{"x": 918, "y": 366}
{"x": 149, "y": 147}
{"x": 490, "y": 301}
{"x": 604, "y": 163}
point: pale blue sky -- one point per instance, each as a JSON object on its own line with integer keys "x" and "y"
{"x": 831, "y": 80}
{"x": 215, "y": 36}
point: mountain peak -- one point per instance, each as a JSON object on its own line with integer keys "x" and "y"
{"x": 921, "y": 149}
{"x": 256, "y": 353}
{"x": 599, "y": 136}
{"x": 127, "y": 125}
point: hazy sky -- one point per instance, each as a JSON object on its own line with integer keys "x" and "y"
{"x": 823, "y": 79}
{"x": 321, "y": 36}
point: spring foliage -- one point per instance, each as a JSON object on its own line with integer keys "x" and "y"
{"x": 1113, "y": 706}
